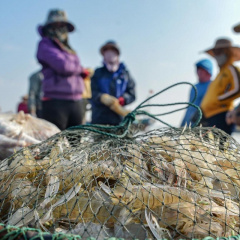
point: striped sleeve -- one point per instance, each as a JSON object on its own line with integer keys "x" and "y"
{"x": 236, "y": 84}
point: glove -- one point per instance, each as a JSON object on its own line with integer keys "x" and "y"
{"x": 121, "y": 101}
{"x": 108, "y": 100}
{"x": 85, "y": 73}
{"x": 113, "y": 104}
{"x": 117, "y": 108}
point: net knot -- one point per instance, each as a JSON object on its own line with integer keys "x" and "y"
{"x": 131, "y": 116}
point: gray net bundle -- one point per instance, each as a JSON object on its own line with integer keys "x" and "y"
{"x": 167, "y": 183}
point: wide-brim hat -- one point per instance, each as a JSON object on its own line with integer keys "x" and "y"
{"x": 56, "y": 16}
{"x": 110, "y": 45}
{"x": 236, "y": 28}
{"x": 225, "y": 43}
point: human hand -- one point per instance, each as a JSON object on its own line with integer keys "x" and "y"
{"x": 121, "y": 101}
{"x": 231, "y": 117}
{"x": 85, "y": 73}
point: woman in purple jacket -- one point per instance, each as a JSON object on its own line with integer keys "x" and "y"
{"x": 62, "y": 84}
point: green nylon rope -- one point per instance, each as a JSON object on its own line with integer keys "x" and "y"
{"x": 129, "y": 119}
{"x": 12, "y": 232}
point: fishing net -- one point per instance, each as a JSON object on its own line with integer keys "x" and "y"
{"x": 167, "y": 183}
{"x": 103, "y": 182}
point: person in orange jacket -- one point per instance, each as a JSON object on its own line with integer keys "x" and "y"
{"x": 233, "y": 117}
{"x": 87, "y": 93}
{"x": 221, "y": 93}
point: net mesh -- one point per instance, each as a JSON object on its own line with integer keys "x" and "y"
{"x": 165, "y": 184}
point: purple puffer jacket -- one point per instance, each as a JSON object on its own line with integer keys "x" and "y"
{"x": 61, "y": 71}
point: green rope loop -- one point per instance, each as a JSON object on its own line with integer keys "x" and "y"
{"x": 130, "y": 118}
{"x": 222, "y": 238}
{"x": 12, "y": 232}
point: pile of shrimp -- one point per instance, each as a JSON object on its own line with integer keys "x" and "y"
{"x": 172, "y": 184}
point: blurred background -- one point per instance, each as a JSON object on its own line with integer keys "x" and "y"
{"x": 160, "y": 41}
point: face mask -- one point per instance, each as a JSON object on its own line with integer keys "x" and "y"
{"x": 221, "y": 59}
{"x": 111, "y": 67}
{"x": 111, "y": 60}
{"x": 61, "y": 33}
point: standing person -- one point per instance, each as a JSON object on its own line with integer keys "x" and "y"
{"x": 62, "y": 84}
{"x": 23, "y": 105}
{"x": 87, "y": 94}
{"x": 35, "y": 93}
{"x": 204, "y": 73}
{"x": 111, "y": 83}
{"x": 224, "y": 89}
{"x": 233, "y": 117}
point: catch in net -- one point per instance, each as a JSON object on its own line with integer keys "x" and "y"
{"x": 102, "y": 182}
{"x": 168, "y": 183}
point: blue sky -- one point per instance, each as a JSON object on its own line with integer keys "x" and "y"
{"x": 160, "y": 40}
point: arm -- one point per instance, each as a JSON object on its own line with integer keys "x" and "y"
{"x": 129, "y": 96}
{"x": 228, "y": 78}
{"x": 52, "y": 56}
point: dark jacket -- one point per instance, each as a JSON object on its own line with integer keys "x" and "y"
{"x": 118, "y": 84}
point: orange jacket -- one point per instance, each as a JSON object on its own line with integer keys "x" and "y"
{"x": 222, "y": 92}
